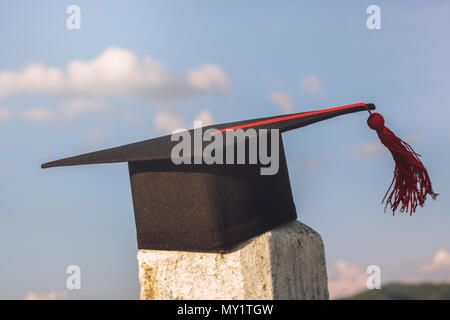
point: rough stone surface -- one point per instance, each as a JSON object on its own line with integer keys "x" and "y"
{"x": 285, "y": 263}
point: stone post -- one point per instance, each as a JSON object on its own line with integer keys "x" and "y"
{"x": 287, "y": 262}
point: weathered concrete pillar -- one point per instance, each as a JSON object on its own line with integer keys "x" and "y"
{"x": 287, "y": 262}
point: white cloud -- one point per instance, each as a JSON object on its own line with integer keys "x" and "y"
{"x": 309, "y": 164}
{"x": 313, "y": 164}
{"x": 4, "y": 114}
{"x": 94, "y": 138}
{"x": 76, "y": 107}
{"x": 311, "y": 85}
{"x": 415, "y": 138}
{"x": 441, "y": 260}
{"x": 71, "y": 110}
{"x": 167, "y": 121}
{"x": 370, "y": 150}
{"x": 283, "y": 100}
{"x": 348, "y": 281}
{"x": 38, "y": 114}
{"x": 52, "y": 295}
{"x": 205, "y": 117}
{"x": 208, "y": 78}
{"x": 116, "y": 71}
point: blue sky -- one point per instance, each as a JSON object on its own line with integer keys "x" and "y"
{"x": 218, "y": 61}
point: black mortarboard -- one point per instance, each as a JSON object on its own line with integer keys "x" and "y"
{"x": 201, "y": 207}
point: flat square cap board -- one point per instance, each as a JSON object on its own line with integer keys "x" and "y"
{"x": 208, "y": 207}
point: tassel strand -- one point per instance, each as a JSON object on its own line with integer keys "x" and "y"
{"x": 411, "y": 183}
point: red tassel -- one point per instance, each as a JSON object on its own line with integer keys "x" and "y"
{"x": 411, "y": 183}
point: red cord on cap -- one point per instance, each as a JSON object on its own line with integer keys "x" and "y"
{"x": 411, "y": 183}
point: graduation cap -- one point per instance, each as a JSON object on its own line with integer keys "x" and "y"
{"x": 183, "y": 201}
